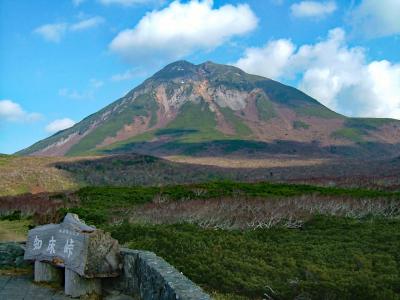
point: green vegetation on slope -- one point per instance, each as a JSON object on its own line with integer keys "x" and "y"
{"x": 142, "y": 106}
{"x": 356, "y": 128}
{"x": 241, "y": 129}
{"x": 199, "y": 119}
{"x": 364, "y": 124}
{"x": 300, "y": 125}
{"x": 265, "y": 108}
{"x": 351, "y": 134}
{"x": 287, "y": 95}
{"x": 230, "y": 77}
{"x": 317, "y": 111}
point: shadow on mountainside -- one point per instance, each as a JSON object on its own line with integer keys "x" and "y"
{"x": 248, "y": 148}
{"x": 136, "y": 169}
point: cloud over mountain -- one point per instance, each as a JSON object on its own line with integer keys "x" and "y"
{"x": 182, "y": 28}
{"x": 338, "y": 75}
{"x": 59, "y": 124}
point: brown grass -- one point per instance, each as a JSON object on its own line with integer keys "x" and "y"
{"x": 242, "y": 213}
{"x": 19, "y": 175}
{"x": 230, "y": 162}
{"x": 43, "y": 207}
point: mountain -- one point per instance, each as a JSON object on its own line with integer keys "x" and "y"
{"x": 219, "y": 109}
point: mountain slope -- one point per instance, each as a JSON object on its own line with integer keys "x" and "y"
{"x": 193, "y": 109}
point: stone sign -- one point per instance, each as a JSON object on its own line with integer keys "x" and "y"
{"x": 73, "y": 244}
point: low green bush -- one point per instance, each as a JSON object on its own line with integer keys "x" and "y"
{"x": 328, "y": 258}
{"x": 12, "y": 216}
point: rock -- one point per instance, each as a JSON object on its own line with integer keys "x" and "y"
{"x": 147, "y": 276}
{"x": 76, "y": 286}
{"x": 88, "y": 251}
{"x": 45, "y": 272}
{"x": 11, "y": 254}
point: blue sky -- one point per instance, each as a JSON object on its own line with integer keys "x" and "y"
{"x": 63, "y": 60}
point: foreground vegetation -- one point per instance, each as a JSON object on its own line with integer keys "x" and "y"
{"x": 100, "y": 205}
{"x": 328, "y": 258}
{"x": 247, "y": 241}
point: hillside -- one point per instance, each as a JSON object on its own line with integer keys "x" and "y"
{"x": 20, "y": 174}
{"x": 210, "y": 108}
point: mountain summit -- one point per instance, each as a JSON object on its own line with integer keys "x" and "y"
{"x": 220, "y": 109}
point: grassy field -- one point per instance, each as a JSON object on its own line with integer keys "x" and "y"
{"x": 242, "y": 163}
{"x": 15, "y": 230}
{"x": 248, "y": 241}
{"x": 20, "y": 175}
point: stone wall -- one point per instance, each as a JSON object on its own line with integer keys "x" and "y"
{"x": 145, "y": 275}
{"x": 148, "y": 276}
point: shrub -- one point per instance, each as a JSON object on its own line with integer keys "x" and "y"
{"x": 329, "y": 258}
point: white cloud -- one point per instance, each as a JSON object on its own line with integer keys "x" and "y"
{"x": 332, "y": 72}
{"x": 95, "y": 83}
{"x": 129, "y": 2}
{"x": 182, "y": 28}
{"x": 52, "y": 32}
{"x": 12, "y": 111}
{"x": 127, "y": 75}
{"x": 59, "y": 124}
{"x": 373, "y": 18}
{"x": 74, "y": 94}
{"x": 277, "y": 2}
{"x": 274, "y": 55}
{"x": 318, "y": 9}
{"x": 55, "y": 32}
{"x": 86, "y": 24}
{"x": 87, "y": 94}
{"x": 77, "y": 2}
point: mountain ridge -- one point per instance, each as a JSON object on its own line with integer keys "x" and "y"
{"x": 184, "y": 106}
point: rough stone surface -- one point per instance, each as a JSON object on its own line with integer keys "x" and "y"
{"x": 12, "y": 255}
{"x": 76, "y": 286}
{"x": 73, "y": 244}
{"x": 145, "y": 276}
{"x": 149, "y": 277}
{"x": 45, "y": 272}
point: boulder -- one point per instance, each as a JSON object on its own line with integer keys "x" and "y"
{"x": 88, "y": 251}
